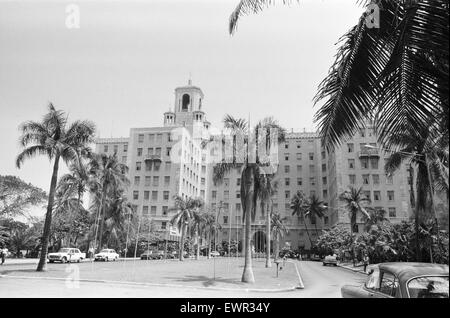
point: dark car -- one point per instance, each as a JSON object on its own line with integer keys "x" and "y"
{"x": 402, "y": 280}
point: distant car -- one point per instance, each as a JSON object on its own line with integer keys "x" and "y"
{"x": 106, "y": 255}
{"x": 146, "y": 255}
{"x": 402, "y": 280}
{"x": 65, "y": 255}
{"x": 214, "y": 254}
{"x": 315, "y": 258}
{"x": 330, "y": 260}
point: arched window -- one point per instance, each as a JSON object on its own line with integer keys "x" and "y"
{"x": 186, "y": 100}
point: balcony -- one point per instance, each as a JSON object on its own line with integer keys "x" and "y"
{"x": 369, "y": 153}
{"x": 153, "y": 158}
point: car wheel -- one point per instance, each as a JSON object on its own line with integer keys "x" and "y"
{"x": 79, "y": 260}
{"x": 64, "y": 260}
{"x": 324, "y": 264}
{"x": 50, "y": 261}
{"x": 106, "y": 259}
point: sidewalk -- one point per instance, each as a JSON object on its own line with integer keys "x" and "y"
{"x": 359, "y": 267}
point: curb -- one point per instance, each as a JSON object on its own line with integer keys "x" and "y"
{"x": 300, "y": 280}
{"x": 155, "y": 284}
{"x": 355, "y": 270}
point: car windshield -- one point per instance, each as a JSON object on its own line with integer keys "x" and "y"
{"x": 104, "y": 251}
{"x": 429, "y": 287}
{"x": 64, "y": 250}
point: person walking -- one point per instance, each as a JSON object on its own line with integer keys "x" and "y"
{"x": 366, "y": 262}
{"x": 4, "y": 253}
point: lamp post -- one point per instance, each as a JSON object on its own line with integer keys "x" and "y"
{"x": 426, "y": 162}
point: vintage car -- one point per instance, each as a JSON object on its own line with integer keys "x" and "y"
{"x": 106, "y": 255}
{"x": 330, "y": 260}
{"x": 66, "y": 255}
{"x": 402, "y": 280}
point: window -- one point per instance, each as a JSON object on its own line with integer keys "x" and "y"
{"x": 155, "y": 181}
{"x": 365, "y": 178}
{"x": 419, "y": 287}
{"x": 153, "y": 210}
{"x": 138, "y": 166}
{"x": 299, "y": 168}
{"x": 225, "y": 219}
{"x": 151, "y": 137}
{"x": 146, "y": 195}
{"x": 299, "y": 144}
{"x": 214, "y": 194}
{"x": 312, "y": 169}
{"x": 374, "y": 163}
{"x": 157, "y": 165}
{"x": 105, "y": 148}
{"x": 324, "y": 180}
{"x": 286, "y": 156}
{"x": 165, "y": 210}
{"x": 238, "y": 207}
{"x": 362, "y": 132}
{"x": 203, "y": 180}
{"x": 351, "y": 163}
{"x": 168, "y": 149}
{"x": 238, "y": 194}
{"x": 226, "y": 195}
{"x": 166, "y": 181}
{"x": 158, "y": 152}
{"x": 226, "y": 182}
{"x": 166, "y": 195}
{"x": 389, "y": 284}
{"x": 286, "y": 169}
{"x": 154, "y": 195}
{"x": 139, "y": 152}
{"x": 299, "y": 156}
{"x": 351, "y": 147}
{"x": 312, "y": 181}
{"x": 287, "y": 181}
{"x": 238, "y": 182}
{"x": 287, "y": 194}
{"x": 137, "y": 180}
{"x": 311, "y": 156}
{"x": 148, "y": 165}
{"x": 163, "y": 225}
{"x": 286, "y": 145}
{"x": 389, "y": 179}
{"x": 376, "y": 179}
{"x": 299, "y": 181}
{"x": 364, "y": 163}
{"x": 326, "y": 220}
{"x": 145, "y": 210}
{"x": 377, "y": 195}
{"x": 159, "y": 138}
{"x": 392, "y": 213}
{"x": 116, "y": 148}
{"x": 323, "y": 155}
{"x": 203, "y": 169}
{"x": 149, "y": 151}
{"x": 324, "y": 167}
{"x": 135, "y": 195}
{"x": 147, "y": 181}
{"x": 140, "y": 138}
{"x": 125, "y": 148}
{"x": 367, "y": 194}
{"x": 124, "y": 159}
{"x": 390, "y": 195}
{"x": 352, "y": 178}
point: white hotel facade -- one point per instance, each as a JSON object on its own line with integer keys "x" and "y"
{"x": 303, "y": 164}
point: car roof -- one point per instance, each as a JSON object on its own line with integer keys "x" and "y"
{"x": 407, "y": 270}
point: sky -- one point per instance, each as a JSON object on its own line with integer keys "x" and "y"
{"x": 121, "y": 66}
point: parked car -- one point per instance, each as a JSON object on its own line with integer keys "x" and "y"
{"x": 214, "y": 254}
{"x": 402, "y": 280}
{"x": 315, "y": 258}
{"x": 330, "y": 260}
{"x": 146, "y": 255}
{"x": 66, "y": 255}
{"x": 106, "y": 255}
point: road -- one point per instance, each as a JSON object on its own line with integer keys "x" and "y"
{"x": 320, "y": 281}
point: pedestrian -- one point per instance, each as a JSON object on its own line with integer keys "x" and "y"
{"x": 4, "y": 253}
{"x": 366, "y": 261}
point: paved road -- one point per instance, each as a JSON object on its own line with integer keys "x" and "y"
{"x": 319, "y": 281}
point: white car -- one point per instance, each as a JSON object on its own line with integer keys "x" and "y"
{"x": 214, "y": 254}
{"x": 66, "y": 255}
{"x": 106, "y": 255}
{"x": 330, "y": 260}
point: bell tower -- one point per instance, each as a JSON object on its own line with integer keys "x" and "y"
{"x": 188, "y": 105}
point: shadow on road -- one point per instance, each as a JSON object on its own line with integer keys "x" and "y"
{"x": 207, "y": 281}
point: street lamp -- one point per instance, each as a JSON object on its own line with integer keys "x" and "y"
{"x": 426, "y": 162}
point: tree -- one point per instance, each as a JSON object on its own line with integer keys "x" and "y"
{"x": 54, "y": 138}
{"x": 278, "y": 230}
{"x": 376, "y": 217}
{"x": 355, "y": 202}
{"x": 109, "y": 179}
{"x": 314, "y": 209}
{"x": 299, "y": 207}
{"x": 197, "y": 228}
{"x": 267, "y": 134}
{"x": 185, "y": 209}
{"x": 268, "y": 188}
{"x": 16, "y": 196}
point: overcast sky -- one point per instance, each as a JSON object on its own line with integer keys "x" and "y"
{"x": 120, "y": 68}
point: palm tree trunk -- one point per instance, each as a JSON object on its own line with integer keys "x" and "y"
{"x": 268, "y": 263}
{"x": 197, "y": 255}
{"x": 209, "y": 244}
{"x": 247, "y": 275}
{"x": 48, "y": 217}
{"x": 307, "y": 233}
{"x": 102, "y": 213}
{"x": 181, "y": 247}
{"x": 277, "y": 247}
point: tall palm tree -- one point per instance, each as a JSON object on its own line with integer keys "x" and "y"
{"x": 56, "y": 139}
{"x": 278, "y": 231}
{"x": 197, "y": 228}
{"x": 244, "y": 147}
{"x": 377, "y": 216}
{"x": 109, "y": 177}
{"x": 118, "y": 216}
{"x": 268, "y": 189}
{"x": 299, "y": 208}
{"x": 314, "y": 208}
{"x": 355, "y": 203}
{"x": 185, "y": 209}
{"x": 396, "y": 74}
{"x": 211, "y": 227}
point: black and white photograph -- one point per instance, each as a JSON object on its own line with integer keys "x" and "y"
{"x": 218, "y": 155}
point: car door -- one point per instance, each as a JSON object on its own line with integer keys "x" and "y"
{"x": 389, "y": 286}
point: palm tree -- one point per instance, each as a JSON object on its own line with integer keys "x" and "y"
{"x": 397, "y": 74}
{"x": 56, "y": 139}
{"x": 116, "y": 218}
{"x": 314, "y": 208}
{"x": 109, "y": 177}
{"x": 211, "y": 227}
{"x": 355, "y": 202}
{"x": 185, "y": 208}
{"x": 278, "y": 230}
{"x": 268, "y": 189}
{"x": 197, "y": 228}
{"x": 251, "y": 167}
{"x": 299, "y": 208}
{"x": 377, "y": 216}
